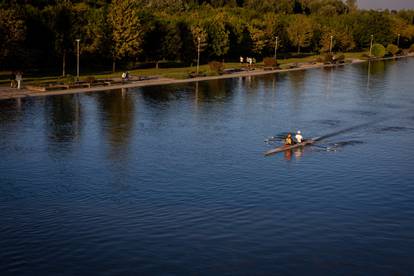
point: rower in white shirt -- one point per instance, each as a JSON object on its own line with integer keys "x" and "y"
{"x": 298, "y": 137}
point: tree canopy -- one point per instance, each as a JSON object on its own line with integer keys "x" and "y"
{"x": 42, "y": 33}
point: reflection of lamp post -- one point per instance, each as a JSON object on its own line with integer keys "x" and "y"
{"x": 276, "y": 46}
{"x": 330, "y": 45}
{"x": 398, "y": 41}
{"x": 198, "y": 54}
{"x": 370, "y": 48}
{"x": 77, "y": 59}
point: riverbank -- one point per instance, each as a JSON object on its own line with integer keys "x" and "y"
{"x": 12, "y": 93}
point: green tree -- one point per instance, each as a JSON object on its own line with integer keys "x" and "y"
{"x": 173, "y": 6}
{"x": 96, "y": 32}
{"x": 345, "y": 40}
{"x": 300, "y": 31}
{"x": 218, "y": 36}
{"x": 352, "y": 5}
{"x": 273, "y": 27}
{"x": 188, "y": 47}
{"x": 153, "y": 35}
{"x": 401, "y": 27}
{"x": 326, "y": 7}
{"x": 258, "y": 36}
{"x": 341, "y": 39}
{"x": 171, "y": 43}
{"x": 38, "y": 32}
{"x": 12, "y": 33}
{"x": 325, "y": 41}
{"x": 278, "y": 6}
{"x": 378, "y": 50}
{"x": 126, "y": 30}
{"x": 392, "y": 49}
{"x": 367, "y": 23}
{"x": 239, "y": 36}
{"x": 199, "y": 38}
{"x": 59, "y": 18}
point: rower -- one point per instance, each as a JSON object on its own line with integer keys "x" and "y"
{"x": 288, "y": 140}
{"x": 299, "y": 137}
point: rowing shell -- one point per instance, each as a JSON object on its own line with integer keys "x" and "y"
{"x": 289, "y": 147}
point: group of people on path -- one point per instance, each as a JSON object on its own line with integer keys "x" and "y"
{"x": 250, "y": 61}
{"x": 298, "y": 139}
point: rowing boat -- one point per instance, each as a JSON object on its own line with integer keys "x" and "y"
{"x": 290, "y": 147}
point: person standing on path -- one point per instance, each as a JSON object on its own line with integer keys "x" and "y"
{"x": 13, "y": 80}
{"x": 19, "y": 79}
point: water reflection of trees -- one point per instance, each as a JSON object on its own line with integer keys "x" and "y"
{"x": 376, "y": 67}
{"x": 375, "y": 71}
{"x": 297, "y": 80}
{"x": 214, "y": 90}
{"x": 63, "y": 118}
{"x": 297, "y": 84}
{"x": 14, "y": 115}
{"x": 162, "y": 94}
{"x": 328, "y": 77}
{"x": 117, "y": 115}
{"x": 9, "y": 110}
{"x": 270, "y": 81}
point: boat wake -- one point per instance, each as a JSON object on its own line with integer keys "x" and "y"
{"x": 395, "y": 129}
{"x": 338, "y": 145}
{"x": 345, "y": 130}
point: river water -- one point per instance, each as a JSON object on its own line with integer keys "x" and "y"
{"x": 171, "y": 180}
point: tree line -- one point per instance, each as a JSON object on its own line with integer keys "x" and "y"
{"x": 42, "y": 33}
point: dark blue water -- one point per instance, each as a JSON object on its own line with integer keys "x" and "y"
{"x": 171, "y": 180}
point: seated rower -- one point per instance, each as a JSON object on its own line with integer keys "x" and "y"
{"x": 299, "y": 137}
{"x": 288, "y": 140}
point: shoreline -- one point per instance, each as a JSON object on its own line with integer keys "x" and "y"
{"x": 12, "y": 93}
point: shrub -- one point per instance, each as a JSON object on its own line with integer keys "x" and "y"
{"x": 69, "y": 79}
{"x": 319, "y": 59}
{"x": 392, "y": 49}
{"x": 269, "y": 62}
{"x": 216, "y": 67}
{"x": 378, "y": 50}
{"x": 339, "y": 59}
{"x": 90, "y": 79}
{"x": 411, "y": 50}
{"x": 328, "y": 58}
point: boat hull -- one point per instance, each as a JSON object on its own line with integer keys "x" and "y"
{"x": 289, "y": 147}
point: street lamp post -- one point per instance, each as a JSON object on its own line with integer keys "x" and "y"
{"x": 398, "y": 41}
{"x": 77, "y": 59}
{"x": 198, "y": 54}
{"x": 276, "y": 46}
{"x": 370, "y": 48}
{"x": 330, "y": 45}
